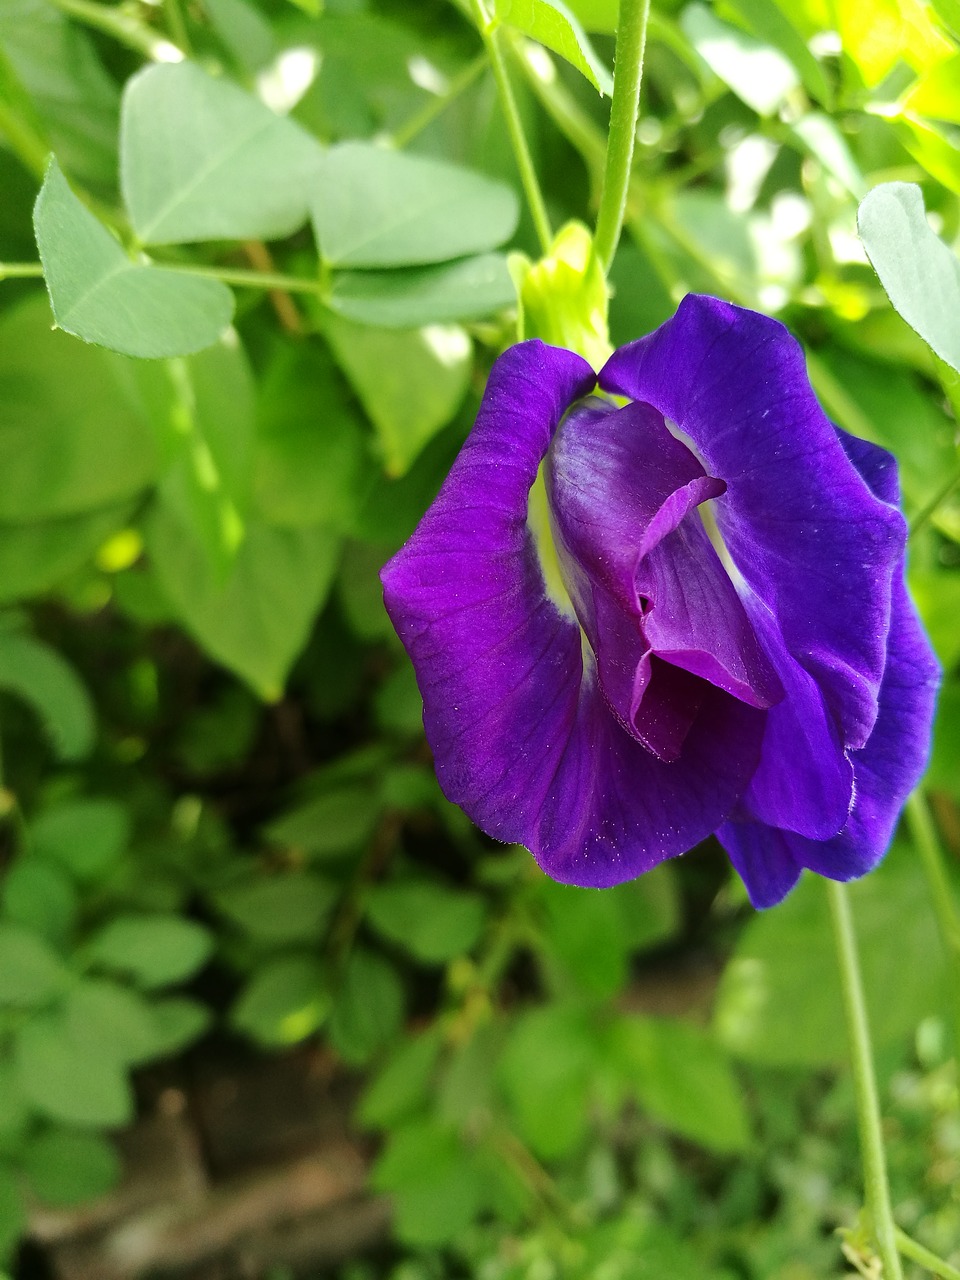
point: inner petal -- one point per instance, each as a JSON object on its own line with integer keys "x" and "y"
{"x": 651, "y": 595}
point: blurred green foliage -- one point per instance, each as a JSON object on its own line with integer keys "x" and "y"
{"x": 213, "y": 756}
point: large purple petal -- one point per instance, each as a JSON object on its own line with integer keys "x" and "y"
{"x": 801, "y": 526}
{"x": 886, "y": 769}
{"x": 522, "y": 738}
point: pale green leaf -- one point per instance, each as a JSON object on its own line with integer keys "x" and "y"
{"x": 284, "y": 1002}
{"x": 155, "y": 950}
{"x": 98, "y": 294}
{"x": 86, "y": 837}
{"x": 31, "y": 972}
{"x": 66, "y": 1167}
{"x": 69, "y": 1081}
{"x": 919, "y": 273}
{"x": 380, "y": 208}
{"x": 409, "y": 297}
{"x": 200, "y": 159}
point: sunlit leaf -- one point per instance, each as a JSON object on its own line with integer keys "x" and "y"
{"x": 553, "y": 23}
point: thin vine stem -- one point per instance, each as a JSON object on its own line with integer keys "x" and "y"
{"x": 249, "y": 279}
{"x": 114, "y": 21}
{"x": 873, "y": 1157}
{"x": 491, "y": 35}
{"x": 437, "y": 105}
{"x": 924, "y": 832}
{"x": 930, "y": 508}
{"x": 624, "y": 110}
{"x": 916, "y": 1252}
{"x": 21, "y": 270}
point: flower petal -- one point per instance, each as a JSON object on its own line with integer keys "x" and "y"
{"x": 522, "y": 737}
{"x": 800, "y": 525}
{"x": 763, "y": 859}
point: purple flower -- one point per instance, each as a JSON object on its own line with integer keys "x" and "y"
{"x": 670, "y": 607}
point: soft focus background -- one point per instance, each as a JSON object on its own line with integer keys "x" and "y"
{"x": 269, "y": 1006}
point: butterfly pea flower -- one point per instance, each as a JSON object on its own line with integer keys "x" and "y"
{"x": 664, "y": 602}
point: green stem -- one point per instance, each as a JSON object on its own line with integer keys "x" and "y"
{"x": 911, "y": 1249}
{"x": 945, "y": 908}
{"x": 930, "y": 508}
{"x": 876, "y": 1187}
{"x": 437, "y": 105}
{"x": 20, "y": 270}
{"x": 624, "y": 110}
{"x": 249, "y": 279}
{"x": 127, "y": 30}
{"x": 491, "y": 35}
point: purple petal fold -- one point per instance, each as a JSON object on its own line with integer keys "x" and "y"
{"x": 805, "y": 532}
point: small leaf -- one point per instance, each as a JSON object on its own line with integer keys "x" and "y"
{"x": 412, "y": 296}
{"x": 13, "y": 1216}
{"x": 39, "y": 896}
{"x": 111, "y": 1019}
{"x": 284, "y": 1002}
{"x": 937, "y": 93}
{"x": 257, "y": 620}
{"x": 435, "y": 1184}
{"x": 410, "y": 382}
{"x": 99, "y": 295}
{"x": 31, "y": 972}
{"x": 368, "y": 1009}
{"x": 200, "y": 159}
{"x": 338, "y": 821}
{"x": 546, "y": 1072}
{"x": 380, "y": 208}
{"x": 70, "y": 1081}
{"x": 178, "y": 1021}
{"x": 551, "y": 23}
{"x": 37, "y": 674}
{"x": 38, "y": 556}
{"x": 279, "y": 909}
{"x": 154, "y": 950}
{"x": 68, "y": 1168}
{"x": 86, "y": 837}
{"x": 919, "y": 273}
{"x": 430, "y": 921}
{"x": 403, "y": 1084}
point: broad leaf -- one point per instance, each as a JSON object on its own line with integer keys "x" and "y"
{"x": 258, "y": 619}
{"x": 200, "y": 159}
{"x": 155, "y": 950}
{"x": 920, "y": 274}
{"x": 411, "y": 382}
{"x": 552, "y": 23}
{"x": 36, "y": 557}
{"x": 98, "y": 294}
{"x": 68, "y": 1080}
{"x": 405, "y": 299}
{"x": 380, "y": 208}
{"x": 433, "y": 923}
{"x": 66, "y": 1167}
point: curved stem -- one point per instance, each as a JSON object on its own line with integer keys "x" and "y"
{"x": 248, "y": 279}
{"x": 115, "y": 21}
{"x": 491, "y": 36}
{"x": 426, "y": 116}
{"x": 928, "y": 845}
{"x": 876, "y": 1187}
{"x": 627, "y": 74}
{"x": 918, "y": 1253}
{"x": 20, "y": 270}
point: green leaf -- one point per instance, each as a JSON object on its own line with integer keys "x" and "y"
{"x": 39, "y": 896}
{"x": 67, "y": 1168}
{"x": 773, "y": 1009}
{"x": 98, "y": 294}
{"x": 759, "y": 75}
{"x": 684, "y": 1079}
{"x": 85, "y": 836}
{"x": 403, "y": 1084}
{"x": 36, "y": 557}
{"x": 310, "y": 442}
{"x": 435, "y": 1185}
{"x": 15, "y": 1115}
{"x": 412, "y": 296}
{"x": 112, "y": 1020}
{"x": 586, "y": 931}
{"x": 338, "y": 821}
{"x": 178, "y": 1021}
{"x": 410, "y": 382}
{"x": 368, "y": 1008}
{"x": 155, "y": 950}
{"x": 258, "y": 620}
{"x": 70, "y": 1081}
{"x": 552, "y": 23}
{"x": 46, "y": 681}
{"x": 285, "y": 908}
{"x": 200, "y": 159}
{"x": 31, "y": 972}
{"x": 821, "y": 137}
{"x": 545, "y": 1073}
{"x": 285, "y": 1001}
{"x": 380, "y": 208}
{"x": 919, "y": 273}
{"x": 430, "y": 921}
{"x": 72, "y": 437}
